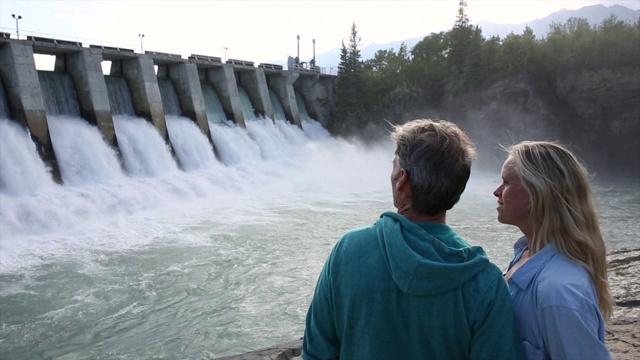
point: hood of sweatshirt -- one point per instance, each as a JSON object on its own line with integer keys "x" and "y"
{"x": 427, "y": 258}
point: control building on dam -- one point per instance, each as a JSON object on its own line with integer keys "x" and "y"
{"x": 298, "y": 91}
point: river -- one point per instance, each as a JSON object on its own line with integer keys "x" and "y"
{"x": 158, "y": 261}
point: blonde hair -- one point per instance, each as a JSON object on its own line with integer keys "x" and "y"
{"x": 563, "y": 209}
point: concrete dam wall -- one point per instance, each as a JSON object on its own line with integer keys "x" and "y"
{"x": 151, "y": 86}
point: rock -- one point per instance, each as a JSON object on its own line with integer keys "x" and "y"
{"x": 623, "y": 329}
{"x": 288, "y": 351}
{"x": 576, "y": 107}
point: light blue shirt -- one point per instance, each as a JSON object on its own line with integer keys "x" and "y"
{"x": 556, "y": 307}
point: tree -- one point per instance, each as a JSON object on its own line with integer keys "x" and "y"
{"x": 385, "y": 76}
{"x": 349, "y": 79}
{"x": 428, "y": 68}
{"x": 474, "y": 72}
{"x": 462, "y": 59}
{"x": 617, "y": 42}
{"x": 492, "y": 57}
{"x": 353, "y": 51}
{"x": 460, "y": 38}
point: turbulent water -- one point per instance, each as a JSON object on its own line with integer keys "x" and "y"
{"x": 187, "y": 256}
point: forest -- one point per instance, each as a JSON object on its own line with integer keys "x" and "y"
{"x": 462, "y": 60}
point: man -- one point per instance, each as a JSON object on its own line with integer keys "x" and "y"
{"x": 408, "y": 287}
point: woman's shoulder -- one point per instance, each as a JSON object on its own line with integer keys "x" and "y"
{"x": 564, "y": 282}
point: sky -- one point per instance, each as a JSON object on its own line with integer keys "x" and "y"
{"x": 259, "y": 31}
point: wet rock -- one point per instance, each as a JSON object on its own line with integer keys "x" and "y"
{"x": 623, "y": 329}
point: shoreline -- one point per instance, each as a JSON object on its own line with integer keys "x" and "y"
{"x": 622, "y": 331}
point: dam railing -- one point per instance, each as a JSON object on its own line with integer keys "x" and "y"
{"x": 8, "y": 33}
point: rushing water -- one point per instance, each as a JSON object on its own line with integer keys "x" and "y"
{"x": 218, "y": 258}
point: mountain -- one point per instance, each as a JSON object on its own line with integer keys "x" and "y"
{"x": 594, "y": 14}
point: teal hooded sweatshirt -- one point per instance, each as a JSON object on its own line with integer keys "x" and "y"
{"x": 404, "y": 290}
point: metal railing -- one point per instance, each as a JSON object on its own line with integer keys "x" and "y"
{"x": 205, "y": 58}
{"x": 240, "y": 62}
{"x": 27, "y": 35}
{"x": 270, "y": 66}
{"x": 314, "y": 69}
{"x": 87, "y": 42}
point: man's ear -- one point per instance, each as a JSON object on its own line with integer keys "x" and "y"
{"x": 403, "y": 180}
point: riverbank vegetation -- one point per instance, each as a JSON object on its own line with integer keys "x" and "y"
{"x": 462, "y": 60}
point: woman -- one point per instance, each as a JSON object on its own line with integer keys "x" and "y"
{"x": 558, "y": 276}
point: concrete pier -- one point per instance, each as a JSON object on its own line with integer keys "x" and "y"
{"x": 24, "y": 98}
{"x": 140, "y": 75}
{"x": 184, "y": 77}
{"x": 282, "y": 85}
{"x": 316, "y": 92}
{"x": 83, "y": 64}
{"x": 255, "y": 83}
{"x": 85, "y": 69}
{"x": 223, "y": 81}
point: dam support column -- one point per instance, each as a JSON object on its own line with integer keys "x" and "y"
{"x": 85, "y": 69}
{"x": 141, "y": 77}
{"x": 255, "y": 82}
{"x": 282, "y": 85}
{"x": 24, "y": 97}
{"x": 186, "y": 81}
{"x": 325, "y": 95}
{"x": 223, "y": 81}
{"x": 317, "y": 93}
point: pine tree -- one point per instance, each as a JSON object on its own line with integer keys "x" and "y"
{"x": 349, "y": 80}
{"x": 474, "y": 71}
{"x": 460, "y": 38}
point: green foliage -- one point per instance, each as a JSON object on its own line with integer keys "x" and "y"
{"x": 385, "y": 76}
{"x": 492, "y": 58}
{"x": 350, "y": 80}
{"x": 462, "y": 59}
{"x": 519, "y": 52}
{"x": 460, "y": 40}
{"x": 429, "y": 60}
{"x": 615, "y": 42}
{"x": 473, "y": 70}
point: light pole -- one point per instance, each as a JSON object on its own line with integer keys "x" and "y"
{"x": 225, "y": 53}
{"x": 298, "y": 56}
{"x": 17, "y": 17}
{"x": 141, "y": 46}
{"x": 314, "y": 51}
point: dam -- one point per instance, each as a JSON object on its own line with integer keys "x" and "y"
{"x": 153, "y": 86}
